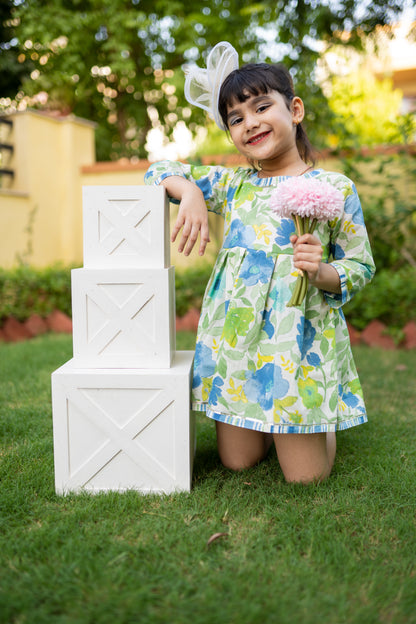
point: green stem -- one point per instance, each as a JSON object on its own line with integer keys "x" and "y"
{"x": 301, "y": 286}
{"x": 295, "y": 294}
{"x": 302, "y": 293}
{"x": 299, "y": 225}
{"x": 300, "y": 290}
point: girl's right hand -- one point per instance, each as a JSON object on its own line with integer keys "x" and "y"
{"x": 192, "y": 215}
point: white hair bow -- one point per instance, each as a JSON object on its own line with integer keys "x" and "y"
{"x": 202, "y": 86}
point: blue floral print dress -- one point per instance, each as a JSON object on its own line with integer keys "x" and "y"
{"x": 258, "y": 363}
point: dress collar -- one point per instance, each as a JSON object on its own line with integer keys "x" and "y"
{"x": 270, "y": 181}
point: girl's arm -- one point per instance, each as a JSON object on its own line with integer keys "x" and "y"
{"x": 351, "y": 264}
{"x": 192, "y": 215}
{"x": 196, "y": 189}
{"x": 307, "y": 256}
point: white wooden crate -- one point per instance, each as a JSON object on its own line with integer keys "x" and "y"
{"x": 126, "y": 226}
{"x": 123, "y": 429}
{"x": 123, "y": 318}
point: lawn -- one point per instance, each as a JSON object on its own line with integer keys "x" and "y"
{"x": 340, "y": 552}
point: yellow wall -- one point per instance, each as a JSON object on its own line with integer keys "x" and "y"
{"x": 114, "y": 173}
{"x": 40, "y": 211}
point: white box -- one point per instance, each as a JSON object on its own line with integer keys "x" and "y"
{"x": 123, "y": 429}
{"x": 123, "y": 318}
{"x": 126, "y": 226}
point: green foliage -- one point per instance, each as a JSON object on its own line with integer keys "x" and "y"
{"x": 215, "y": 142}
{"x": 387, "y": 189}
{"x": 103, "y": 59}
{"x": 190, "y": 287}
{"x": 390, "y": 298}
{"x": 12, "y": 70}
{"x": 26, "y": 290}
{"x": 368, "y": 109}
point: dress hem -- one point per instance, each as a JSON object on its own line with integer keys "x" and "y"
{"x": 257, "y": 425}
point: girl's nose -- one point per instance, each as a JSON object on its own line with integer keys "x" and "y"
{"x": 251, "y": 121}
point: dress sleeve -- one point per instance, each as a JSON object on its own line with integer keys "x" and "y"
{"x": 350, "y": 250}
{"x": 213, "y": 181}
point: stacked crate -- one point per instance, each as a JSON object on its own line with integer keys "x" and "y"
{"x": 121, "y": 405}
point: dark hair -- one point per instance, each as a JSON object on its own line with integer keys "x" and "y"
{"x": 257, "y": 78}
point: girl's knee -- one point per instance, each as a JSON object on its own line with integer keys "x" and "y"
{"x": 237, "y": 463}
{"x": 307, "y": 476}
{"x": 240, "y": 448}
{"x": 306, "y": 458}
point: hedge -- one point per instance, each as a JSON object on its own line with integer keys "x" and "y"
{"x": 391, "y": 297}
{"x": 26, "y": 290}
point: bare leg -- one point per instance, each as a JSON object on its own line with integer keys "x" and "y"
{"x": 305, "y": 458}
{"x": 241, "y": 448}
{"x": 331, "y": 448}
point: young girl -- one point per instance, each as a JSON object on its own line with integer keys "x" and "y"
{"x": 266, "y": 372}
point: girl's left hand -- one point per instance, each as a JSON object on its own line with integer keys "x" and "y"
{"x": 307, "y": 254}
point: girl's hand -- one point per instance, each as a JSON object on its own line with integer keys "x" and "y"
{"x": 192, "y": 215}
{"x": 307, "y": 255}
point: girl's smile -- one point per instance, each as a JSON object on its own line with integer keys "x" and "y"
{"x": 258, "y": 138}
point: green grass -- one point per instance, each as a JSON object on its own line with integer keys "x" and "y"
{"x": 340, "y": 552}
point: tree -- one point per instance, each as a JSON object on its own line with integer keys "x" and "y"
{"x": 117, "y": 61}
{"x": 12, "y": 71}
{"x": 368, "y": 108}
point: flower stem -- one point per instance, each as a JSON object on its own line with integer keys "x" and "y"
{"x": 300, "y": 229}
{"x": 299, "y": 225}
{"x": 294, "y": 300}
{"x": 304, "y": 289}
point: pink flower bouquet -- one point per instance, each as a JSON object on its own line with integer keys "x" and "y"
{"x": 307, "y": 201}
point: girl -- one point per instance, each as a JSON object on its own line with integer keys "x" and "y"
{"x": 265, "y": 372}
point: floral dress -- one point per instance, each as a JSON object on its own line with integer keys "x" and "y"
{"x": 260, "y": 364}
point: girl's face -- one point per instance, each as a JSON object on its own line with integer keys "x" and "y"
{"x": 263, "y": 127}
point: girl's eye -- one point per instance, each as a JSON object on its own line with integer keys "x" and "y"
{"x": 262, "y": 108}
{"x": 235, "y": 121}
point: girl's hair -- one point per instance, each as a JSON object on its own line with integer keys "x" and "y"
{"x": 257, "y": 78}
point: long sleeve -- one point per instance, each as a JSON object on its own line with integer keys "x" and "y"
{"x": 213, "y": 181}
{"x": 350, "y": 252}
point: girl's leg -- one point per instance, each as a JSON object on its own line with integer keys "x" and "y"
{"x": 305, "y": 458}
{"x": 241, "y": 448}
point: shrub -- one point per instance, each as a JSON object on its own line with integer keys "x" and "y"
{"x": 27, "y": 290}
{"x": 390, "y": 298}
{"x": 387, "y": 188}
{"x": 190, "y": 287}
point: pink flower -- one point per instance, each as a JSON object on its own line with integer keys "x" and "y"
{"x": 308, "y": 201}
{"x": 307, "y": 197}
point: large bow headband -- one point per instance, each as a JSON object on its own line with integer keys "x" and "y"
{"x": 202, "y": 86}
